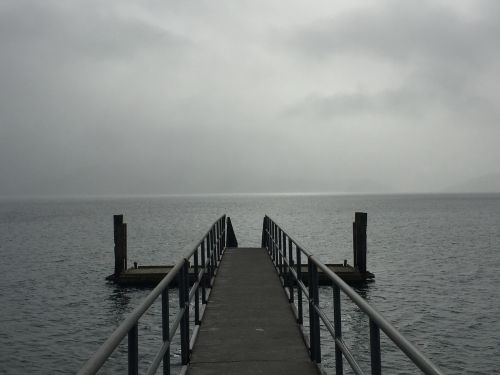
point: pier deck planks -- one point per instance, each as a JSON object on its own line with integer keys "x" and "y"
{"x": 248, "y": 327}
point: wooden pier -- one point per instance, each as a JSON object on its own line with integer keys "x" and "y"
{"x": 151, "y": 275}
{"x": 248, "y": 326}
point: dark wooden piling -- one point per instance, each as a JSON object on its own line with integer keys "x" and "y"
{"x": 359, "y": 240}
{"x": 120, "y": 238}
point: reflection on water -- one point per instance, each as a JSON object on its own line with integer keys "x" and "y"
{"x": 120, "y": 299}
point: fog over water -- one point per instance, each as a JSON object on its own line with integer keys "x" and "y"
{"x": 166, "y": 97}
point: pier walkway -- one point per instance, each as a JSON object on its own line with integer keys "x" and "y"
{"x": 249, "y": 327}
{"x": 249, "y": 306}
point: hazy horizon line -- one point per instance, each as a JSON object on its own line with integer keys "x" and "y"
{"x": 234, "y": 194}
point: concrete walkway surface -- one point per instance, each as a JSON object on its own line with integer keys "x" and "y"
{"x": 248, "y": 327}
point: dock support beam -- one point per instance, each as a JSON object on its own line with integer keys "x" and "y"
{"x": 120, "y": 238}
{"x": 359, "y": 240}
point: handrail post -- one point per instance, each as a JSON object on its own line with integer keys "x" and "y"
{"x": 272, "y": 240}
{"x": 184, "y": 304}
{"x": 280, "y": 249}
{"x": 217, "y": 242}
{"x": 283, "y": 260}
{"x": 165, "y": 329}
{"x": 275, "y": 235}
{"x": 211, "y": 254}
{"x": 208, "y": 261}
{"x": 269, "y": 226}
{"x": 224, "y": 233}
{"x": 264, "y": 233}
{"x": 337, "y": 322}
{"x": 376, "y": 360}
{"x": 290, "y": 267}
{"x": 186, "y": 299}
{"x": 221, "y": 242}
{"x": 197, "y": 291}
{"x": 268, "y": 235}
{"x": 212, "y": 247}
{"x": 314, "y": 335}
{"x": 214, "y": 240}
{"x": 133, "y": 351}
{"x": 205, "y": 274}
{"x": 311, "y": 310}
{"x": 300, "y": 318}
{"x": 219, "y": 249}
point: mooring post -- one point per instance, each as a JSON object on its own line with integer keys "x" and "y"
{"x": 120, "y": 239}
{"x": 354, "y": 245}
{"x": 359, "y": 240}
{"x": 124, "y": 239}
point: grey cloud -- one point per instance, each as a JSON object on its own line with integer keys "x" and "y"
{"x": 412, "y": 103}
{"x": 406, "y": 31}
{"x": 397, "y": 102}
{"x": 90, "y": 30}
{"x": 442, "y": 55}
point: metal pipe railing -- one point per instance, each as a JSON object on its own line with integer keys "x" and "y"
{"x": 210, "y": 249}
{"x": 274, "y": 238}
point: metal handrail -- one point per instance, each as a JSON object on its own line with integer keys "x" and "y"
{"x": 210, "y": 249}
{"x": 275, "y": 240}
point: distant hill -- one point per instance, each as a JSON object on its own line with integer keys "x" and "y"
{"x": 484, "y": 184}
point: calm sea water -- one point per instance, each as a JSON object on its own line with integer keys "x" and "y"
{"x": 436, "y": 259}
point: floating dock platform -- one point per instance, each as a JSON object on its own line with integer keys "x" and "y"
{"x": 150, "y": 276}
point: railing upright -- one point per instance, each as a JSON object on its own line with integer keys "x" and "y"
{"x": 205, "y": 276}
{"x": 311, "y": 311}
{"x": 212, "y": 255}
{"x": 314, "y": 330}
{"x": 196, "y": 292}
{"x": 184, "y": 307}
{"x": 219, "y": 242}
{"x": 280, "y": 249}
{"x": 165, "y": 329}
{"x": 224, "y": 234}
{"x": 337, "y": 322}
{"x": 276, "y": 241}
{"x": 283, "y": 259}
{"x": 216, "y": 244}
{"x": 300, "y": 313}
{"x": 272, "y": 242}
{"x": 376, "y": 360}
{"x": 133, "y": 351}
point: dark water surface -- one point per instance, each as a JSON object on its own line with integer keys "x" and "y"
{"x": 436, "y": 259}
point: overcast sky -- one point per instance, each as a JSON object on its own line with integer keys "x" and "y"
{"x": 169, "y": 97}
